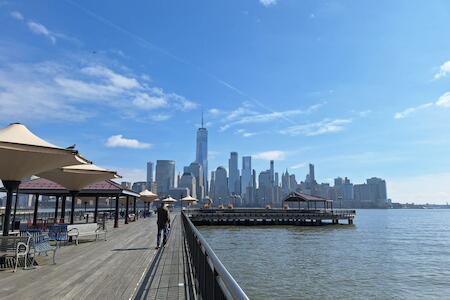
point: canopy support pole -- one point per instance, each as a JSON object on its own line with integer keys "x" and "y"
{"x": 96, "y": 209}
{"x": 126, "y": 210}
{"x": 15, "y": 208}
{"x": 134, "y": 208}
{"x": 63, "y": 209}
{"x": 116, "y": 215}
{"x": 10, "y": 186}
{"x": 73, "y": 195}
{"x": 56, "y": 208}
{"x": 36, "y": 205}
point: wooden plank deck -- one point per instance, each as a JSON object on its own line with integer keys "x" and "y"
{"x": 109, "y": 269}
{"x": 170, "y": 281}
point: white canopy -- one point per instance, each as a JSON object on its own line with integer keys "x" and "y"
{"x": 189, "y": 199}
{"x": 169, "y": 200}
{"x": 76, "y": 177}
{"x": 148, "y": 196}
{"x": 23, "y": 154}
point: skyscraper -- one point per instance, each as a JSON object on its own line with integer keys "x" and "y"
{"x": 165, "y": 176}
{"x": 312, "y": 176}
{"x": 272, "y": 174}
{"x": 149, "y": 174}
{"x": 195, "y": 169}
{"x": 188, "y": 180}
{"x": 246, "y": 177}
{"x": 233, "y": 181}
{"x": 221, "y": 186}
{"x": 202, "y": 153}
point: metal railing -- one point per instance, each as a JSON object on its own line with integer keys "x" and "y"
{"x": 212, "y": 280}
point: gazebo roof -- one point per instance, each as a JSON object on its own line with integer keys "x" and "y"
{"x": 301, "y": 197}
{"x": 43, "y": 186}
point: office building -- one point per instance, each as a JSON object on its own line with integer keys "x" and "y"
{"x": 201, "y": 156}
{"x": 165, "y": 176}
{"x": 188, "y": 180}
{"x": 221, "y": 194}
{"x": 233, "y": 180}
{"x": 149, "y": 174}
{"x": 195, "y": 168}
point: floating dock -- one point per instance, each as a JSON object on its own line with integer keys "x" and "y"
{"x": 260, "y": 216}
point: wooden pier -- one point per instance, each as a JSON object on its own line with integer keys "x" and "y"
{"x": 259, "y": 216}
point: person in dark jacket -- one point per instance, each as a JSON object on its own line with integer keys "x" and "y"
{"x": 163, "y": 223}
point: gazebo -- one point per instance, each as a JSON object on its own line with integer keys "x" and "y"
{"x": 105, "y": 188}
{"x": 301, "y": 197}
{"x": 148, "y": 197}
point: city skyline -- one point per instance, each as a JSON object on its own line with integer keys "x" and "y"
{"x": 295, "y": 82}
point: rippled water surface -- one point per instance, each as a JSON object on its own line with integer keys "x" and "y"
{"x": 387, "y": 254}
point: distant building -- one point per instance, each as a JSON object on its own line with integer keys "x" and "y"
{"x": 212, "y": 185}
{"x": 188, "y": 180}
{"x": 221, "y": 194}
{"x": 165, "y": 176}
{"x": 246, "y": 178}
{"x": 201, "y": 156}
{"x": 195, "y": 169}
{"x": 178, "y": 192}
{"x": 126, "y": 184}
{"x": 372, "y": 193}
{"x": 233, "y": 180}
{"x": 265, "y": 188}
{"x": 149, "y": 174}
{"x": 139, "y": 186}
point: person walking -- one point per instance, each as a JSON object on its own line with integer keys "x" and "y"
{"x": 163, "y": 223}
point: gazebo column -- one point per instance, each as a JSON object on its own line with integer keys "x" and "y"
{"x": 96, "y": 209}
{"x": 36, "y": 205}
{"x": 116, "y": 215}
{"x": 134, "y": 208}
{"x": 73, "y": 195}
{"x": 56, "y": 208}
{"x": 126, "y": 209}
{"x": 10, "y": 186}
{"x": 15, "y": 208}
{"x": 307, "y": 203}
{"x": 63, "y": 209}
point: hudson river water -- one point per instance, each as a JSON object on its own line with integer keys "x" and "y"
{"x": 387, "y": 254}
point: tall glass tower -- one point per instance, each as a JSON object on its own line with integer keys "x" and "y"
{"x": 202, "y": 154}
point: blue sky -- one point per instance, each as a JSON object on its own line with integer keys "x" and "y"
{"x": 356, "y": 87}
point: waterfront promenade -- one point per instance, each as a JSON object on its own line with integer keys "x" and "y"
{"x": 109, "y": 269}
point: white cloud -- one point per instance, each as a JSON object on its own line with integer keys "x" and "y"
{"x": 66, "y": 92}
{"x": 431, "y": 188}
{"x": 117, "y": 80}
{"x": 17, "y": 15}
{"x": 312, "y": 129}
{"x": 115, "y": 141}
{"x": 215, "y": 111}
{"x": 39, "y": 29}
{"x": 444, "y": 69}
{"x": 160, "y": 117}
{"x": 411, "y": 110}
{"x": 298, "y": 166}
{"x": 130, "y": 174}
{"x": 245, "y": 133}
{"x": 270, "y": 155}
{"x": 146, "y": 101}
{"x": 444, "y": 100}
{"x": 268, "y": 3}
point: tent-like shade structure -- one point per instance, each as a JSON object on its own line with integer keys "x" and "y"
{"x": 169, "y": 200}
{"x": 23, "y": 154}
{"x": 148, "y": 196}
{"x": 189, "y": 199}
{"x": 74, "y": 178}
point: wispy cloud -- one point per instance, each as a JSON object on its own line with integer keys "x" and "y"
{"x": 39, "y": 29}
{"x": 444, "y": 69}
{"x": 268, "y": 3}
{"x": 411, "y": 110}
{"x": 115, "y": 141}
{"x": 317, "y": 128}
{"x": 298, "y": 166}
{"x": 246, "y": 114}
{"x": 246, "y": 134}
{"x": 17, "y": 15}
{"x": 160, "y": 117}
{"x": 442, "y": 101}
{"x": 270, "y": 155}
{"x": 66, "y": 91}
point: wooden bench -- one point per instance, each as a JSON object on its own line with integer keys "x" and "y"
{"x": 82, "y": 230}
{"x": 15, "y": 246}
